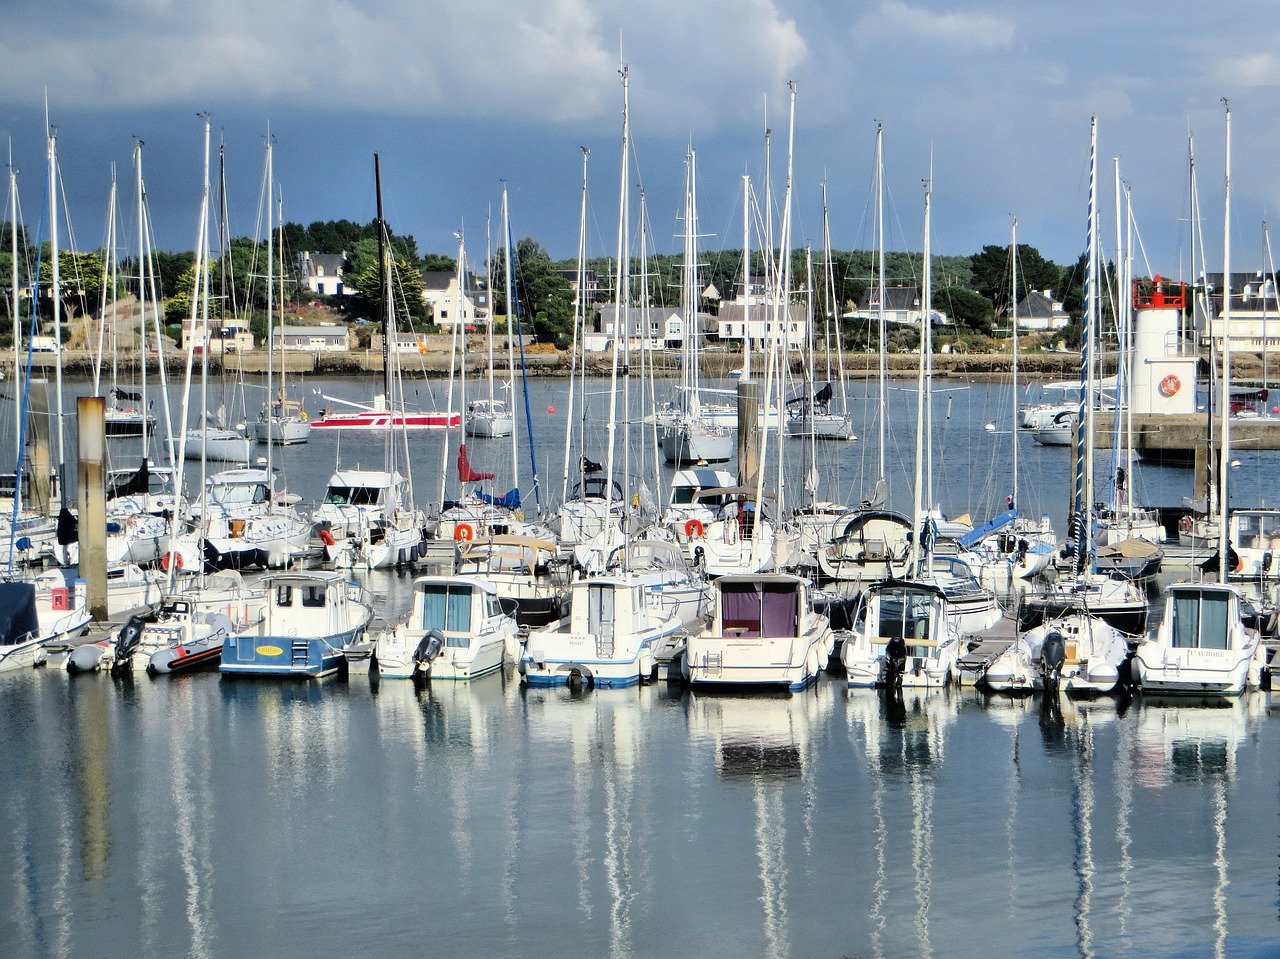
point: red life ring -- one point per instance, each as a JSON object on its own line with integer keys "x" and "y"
{"x": 1186, "y": 523}
{"x": 694, "y": 527}
{"x": 327, "y": 538}
{"x": 1170, "y": 385}
{"x": 171, "y": 558}
{"x": 463, "y": 531}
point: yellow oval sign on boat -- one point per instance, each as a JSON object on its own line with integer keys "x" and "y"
{"x": 270, "y": 650}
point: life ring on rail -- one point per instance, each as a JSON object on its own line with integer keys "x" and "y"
{"x": 171, "y": 558}
{"x": 1170, "y": 385}
{"x": 694, "y": 527}
{"x": 1186, "y": 523}
{"x": 463, "y": 532}
{"x": 327, "y": 538}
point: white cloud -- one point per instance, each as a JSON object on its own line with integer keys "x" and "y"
{"x": 554, "y": 61}
{"x": 894, "y": 20}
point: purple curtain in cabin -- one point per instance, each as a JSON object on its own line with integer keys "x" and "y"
{"x": 740, "y": 607}
{"x": 778, "y": 609}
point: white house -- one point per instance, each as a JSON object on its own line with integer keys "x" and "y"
{"x": 440, "y": 291}
{"x": 228, "y": 334}
{"x": 323, "y": 273}
{"x": 901, "y": 306}
{"x": 750, "y": 316}
{"x": 1255, "y": 313}
{"x": 1038, "y": 310}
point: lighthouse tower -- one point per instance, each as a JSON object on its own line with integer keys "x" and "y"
{"x": 1163, "y": 371}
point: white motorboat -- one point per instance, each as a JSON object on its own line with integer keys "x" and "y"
{"x": 1077, "y": 653}
{"x": 1202, "y": 645}
{"x": 457, "y": 628}
{"x": 763, "y": 632}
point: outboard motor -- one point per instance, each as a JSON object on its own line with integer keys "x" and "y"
{"x": 127, "y": 641}
{"x": 428, "y": 649}
{"x": 895, "y": 661}
{"x": 1052, "y": 655}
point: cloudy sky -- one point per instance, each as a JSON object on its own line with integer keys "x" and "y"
{"x": 459, "y": 97}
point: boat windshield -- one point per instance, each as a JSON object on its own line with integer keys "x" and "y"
{"x": 352, "y": 496}
{"x": 236, "y": 493}
{"x": 1200, "y": 620}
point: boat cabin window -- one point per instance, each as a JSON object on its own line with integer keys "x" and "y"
{"x": 239, "y": 493}
{"x": 446, "y": 607}
{"x": 284, "y": 596}
{"x": 905, "y": 615}
{"x": 352, "y": 496}
{"x": 1258, "y": 529}
{"x": 1200, "y": 620}
{"x": 313, "y": 596}
{"x": 493, "y": 607}
{"x": 759, "y": 609}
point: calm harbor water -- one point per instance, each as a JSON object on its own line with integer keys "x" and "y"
{"x": 196, "y": 816}
{"x": 208, "y": 817}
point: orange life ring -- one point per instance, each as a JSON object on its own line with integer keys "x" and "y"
{"x": 1170, "y": 385}
{"x": 1239, "y": 564}
{"x": 463, "y": 531}
{"x": 1186, "y": 523}
{"x": 327, "y": 538}
{"x": 694, "y": 527}
{"x": 171, "y": 558}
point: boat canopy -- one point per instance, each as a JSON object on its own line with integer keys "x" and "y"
{"x": 18, "y": 620}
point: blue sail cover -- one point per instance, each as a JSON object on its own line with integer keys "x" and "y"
{"x": 971, "y": 537}
{"x": 509, "y": 501}
{"x": 18, "y": 621}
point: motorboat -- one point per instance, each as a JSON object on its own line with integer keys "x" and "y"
{"x": 1077, "y": 653}
{"x": 763, "y": 632}
{"x": 310, "y": 617}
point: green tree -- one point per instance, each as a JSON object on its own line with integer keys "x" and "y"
{"x": 545, "y": 297}
{"x": 966, "y": 308}
{"x": 80, "y": 280}
{"x": 992, "y": 275}
{"x": 406, "y": 291}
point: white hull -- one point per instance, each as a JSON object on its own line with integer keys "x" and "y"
{"x": 698, "y": 441}
{"x": 218, "y": 446}
{"x": 280, "y": 432}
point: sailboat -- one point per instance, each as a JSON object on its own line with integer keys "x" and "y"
{"x": 910, "y": 632}
{"x": 1087, "y": 591}
{"x": 282, "y": 421}
{"x": 1202, "y": 645}
{"x": 692, "y": 437}
{"x": 380, "y": 525}
{"x": 490, "y": 416}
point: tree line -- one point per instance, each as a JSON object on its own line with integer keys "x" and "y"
{"x": 974, "y": 291}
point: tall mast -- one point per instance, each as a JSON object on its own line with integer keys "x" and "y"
{"x": 271, "y": 255}
{"x": 746, "y": 279}
{"x": 882, "y": 321}
{"x": 55, "y": 292}
{"x": 17, "y": 319}
{"x": 1084, "y": 428}
{"x": 142, "y": 286}
{"x": 579, "y": 313}
{"x": 513, "y": 317}
{"x": 1224, "y": 398}
{"x": 622, "y": 287}
{"x": 1013, "y": 283}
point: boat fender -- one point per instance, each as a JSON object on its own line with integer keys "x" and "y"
{"x": 428, "y": 648}
{"x": 172, "y": 558}
{"x": 326, "y": 537}
{"x": 1185, "y": 524}
{"x": 693, "y": 528}
{"x": 464, "y": 533}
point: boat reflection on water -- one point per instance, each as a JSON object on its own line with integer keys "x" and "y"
{"x": 903, "y": 734}
{"x": 767, "y": 741}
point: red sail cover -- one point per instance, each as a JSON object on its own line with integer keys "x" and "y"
{"x": 465, "y": 473}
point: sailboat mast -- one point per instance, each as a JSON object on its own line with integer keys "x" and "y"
{"x": 108, "y": 297}
{"x": 55, "y": 292}
{"x": 1122, "y": 390}
{"x": 271, "y": 256}
{"x": 746, "y": 279}
{"x": 622, "y": 287}
{"x": 17, "y": 319}
{"x": 143, "y": 259}
{"x": 882, "y": 322}
{"x": 1084, "y": 426}
{"x": 387, "y": 329}
{"x": 918, "y": 500}
{"x": 1013, "y": 298}
{"x": 513, "y": 330}
{"x": 579, "y": 312}
{"x": 1224, "y": 398}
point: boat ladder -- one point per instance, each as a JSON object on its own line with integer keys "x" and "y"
{"x": 300, "y": 652}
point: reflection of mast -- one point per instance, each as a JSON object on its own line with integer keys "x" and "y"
{"x": 1082, "y": 828}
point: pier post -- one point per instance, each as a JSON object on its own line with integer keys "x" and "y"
{"x": 92, "y": 414}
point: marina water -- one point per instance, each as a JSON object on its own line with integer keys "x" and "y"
{"x": 207, "y": 817}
